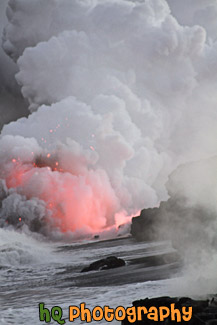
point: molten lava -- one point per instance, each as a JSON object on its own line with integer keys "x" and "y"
{"x": 78, "y": 203}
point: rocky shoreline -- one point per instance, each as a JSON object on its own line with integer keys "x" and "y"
{"x": 204, "y": 312}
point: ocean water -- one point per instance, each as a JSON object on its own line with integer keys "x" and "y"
{"x": 33, "y": 270}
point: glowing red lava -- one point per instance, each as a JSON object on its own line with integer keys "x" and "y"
{"x": 78, "y": 203}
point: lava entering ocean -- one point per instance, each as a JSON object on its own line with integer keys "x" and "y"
{"x": 114, "y": 90}
{"x": 74, "y": 202}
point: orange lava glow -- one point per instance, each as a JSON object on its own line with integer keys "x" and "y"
{"x": 122, "y": 218}
{"x": 78, "y": 203}
{"x": 16, "y": 176}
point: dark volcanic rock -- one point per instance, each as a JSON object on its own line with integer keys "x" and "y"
{"x": 188, "y": 218}
{"x": 105, "y": 264}
{"x": 144, "y": 227}
{"x": 159, "y": 223}
{"x": 203, "y": 311}
{"x": 186, "y": 226}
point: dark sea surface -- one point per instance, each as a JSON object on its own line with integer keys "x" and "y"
{"x": 34, "y": 271}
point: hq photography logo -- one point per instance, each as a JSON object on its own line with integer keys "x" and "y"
{"x": 132, "y": 314}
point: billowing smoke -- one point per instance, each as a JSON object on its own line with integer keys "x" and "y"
{"x": 12, "y": 104}
{"x": 120, "y": 92}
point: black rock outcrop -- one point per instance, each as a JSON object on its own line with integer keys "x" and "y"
{"x": 203, "y": 311}
{"x": 105, "y": 264}
{"x": 189, "y": 216}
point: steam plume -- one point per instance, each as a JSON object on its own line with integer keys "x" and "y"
{"x": 120, "y": 93}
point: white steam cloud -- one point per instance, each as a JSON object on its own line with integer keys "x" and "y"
{"x": 12, "y": 104}
{"x": 120, "y": 92}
